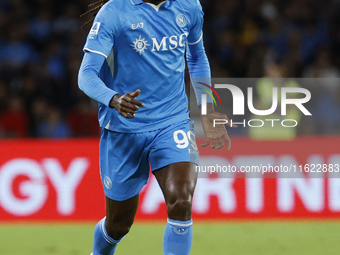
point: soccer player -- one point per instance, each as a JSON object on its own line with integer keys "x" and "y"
{"x": 134, "y": 66}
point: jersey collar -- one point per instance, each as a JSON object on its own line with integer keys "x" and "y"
{"x": 137, "y": 2}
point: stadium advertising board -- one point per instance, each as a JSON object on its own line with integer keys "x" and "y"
{"x": 49, "y": 180}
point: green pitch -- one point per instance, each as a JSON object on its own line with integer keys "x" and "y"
{"x": 260, "y": 238}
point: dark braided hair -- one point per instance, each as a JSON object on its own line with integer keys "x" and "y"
{"x": 95, "y": 9}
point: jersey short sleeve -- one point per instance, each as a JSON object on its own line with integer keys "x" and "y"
{"x": 196, "y": 33}
{"x": 102, "y": 34}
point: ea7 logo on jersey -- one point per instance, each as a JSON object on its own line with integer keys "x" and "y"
{"x": 94, "y": 30}
{"x": 138, "y": 25}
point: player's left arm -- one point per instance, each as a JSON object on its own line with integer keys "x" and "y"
{"x": 199, "y": 69}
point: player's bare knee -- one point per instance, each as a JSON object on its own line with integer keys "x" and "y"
{"x": 184, "y": 190}
{"x": 180, "y": 209}
{"x": 179, "y": 200}
{"x": 117, "y": 230}
{"x": 180, "y": 205}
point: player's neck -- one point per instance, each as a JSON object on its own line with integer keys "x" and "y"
{"x": 155, "y": 2}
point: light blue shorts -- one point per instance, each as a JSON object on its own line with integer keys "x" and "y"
{"x": 125, "y": 158}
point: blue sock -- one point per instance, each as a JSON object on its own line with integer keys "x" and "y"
{"x": 177, "y": 237}
{"x": 103, "y": 244}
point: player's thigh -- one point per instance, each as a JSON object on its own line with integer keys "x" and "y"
{"x": 174, "y": 144}
{"x": 177, "y": 181}
{"x": 124, "y": 166}
{"x": 173, "y": 160}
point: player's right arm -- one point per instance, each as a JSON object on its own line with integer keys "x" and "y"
{"x": 94, "y": 87}
{"x": 98, "y": 46}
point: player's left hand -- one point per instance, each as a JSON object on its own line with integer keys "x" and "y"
{"x": 218, "y": 133}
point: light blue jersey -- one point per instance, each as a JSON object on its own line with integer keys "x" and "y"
{"x": 144, "y": 47}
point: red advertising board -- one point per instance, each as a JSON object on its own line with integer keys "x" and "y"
{"x": 58, "y": 180}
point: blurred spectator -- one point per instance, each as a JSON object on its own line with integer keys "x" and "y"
{"x": 83, "y": 120}
{"x": 54, "y": 126}
{"x": 274, "y": 74}
{"x": 326, "y": 108}
{"x": 40, "y": 27}
{"x": 3, "y": 95}
{"x": 14, "y": 121}
{"x": 39, "y": 110}
{"x": 323, "y": 67}
{"x": 68, "y": 23}
{"x": 17, "y": 52}
{"x": 276, "y": 37}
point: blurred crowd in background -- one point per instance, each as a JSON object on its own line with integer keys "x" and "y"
{"x": 41, "y": 50}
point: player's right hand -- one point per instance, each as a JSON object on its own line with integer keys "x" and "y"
{"x": 126, "y": 105}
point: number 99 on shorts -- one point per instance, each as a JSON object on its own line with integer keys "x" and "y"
{"x": 183, "y": 140}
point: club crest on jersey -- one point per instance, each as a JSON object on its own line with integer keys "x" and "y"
{"x": 182, "y": 20}
{"x": 94, "y": 30}
{"x": 107, "y": 182}
{"x": 140, "y": 45}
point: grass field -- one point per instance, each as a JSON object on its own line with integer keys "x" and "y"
{"x": 284, "y": 238}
